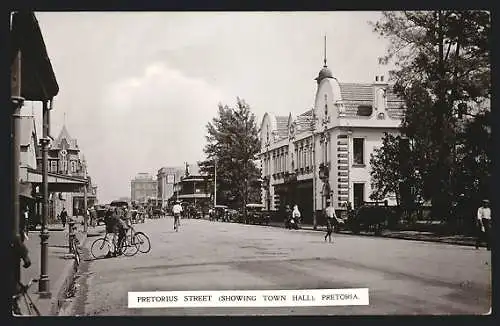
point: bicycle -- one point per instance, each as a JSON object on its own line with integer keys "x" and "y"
{"x": 74, "y": 244}
{"x": 101, "y": 247}
{"x": 29, "y": 304}
{"x": 140, "y": 239}
{"x": 177, "y": 223}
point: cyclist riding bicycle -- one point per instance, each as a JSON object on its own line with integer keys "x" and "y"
{"x": 177, "y": 210}
{"x": 116, "y": 225}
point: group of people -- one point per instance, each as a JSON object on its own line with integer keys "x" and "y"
{"x": 332, "y": 220}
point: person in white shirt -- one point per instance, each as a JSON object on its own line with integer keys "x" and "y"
{"x": 484, "y": 224}
{"x": 296, "y": 214}
{"x": 331, "y": 218}
{"x": 177, "y": 210}
{"x": 26, "y": 223}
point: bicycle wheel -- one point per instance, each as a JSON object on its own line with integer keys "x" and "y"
{"x": 100, "y": 248}
{"x": 142, "y": 242}
{"x": 129, "y": 248}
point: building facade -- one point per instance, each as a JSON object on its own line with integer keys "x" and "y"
{"x": 143, "y": 187}
{"x": 64, "y": 158}
{"x": 194, "y": 190}
{"x": 323, "y": 154}
{"x": 166, "y": 178}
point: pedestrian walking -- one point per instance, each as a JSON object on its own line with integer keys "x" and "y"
{"x": 63, "y": 216}
{"x": 484, "y": 224}
{"x": 296, "y": 214}
{"x": 331, "y": 219}
{"x": 26, "y": 222}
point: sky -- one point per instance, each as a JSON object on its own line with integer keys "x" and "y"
{"x": 138, "y": 88}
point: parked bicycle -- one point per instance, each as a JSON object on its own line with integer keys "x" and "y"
{"x": 30, "y": 309}
{"x": 74, "y": 243}
{"x": 102, "y": 247}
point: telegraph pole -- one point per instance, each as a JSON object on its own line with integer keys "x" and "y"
{"x": 215, "y": 183}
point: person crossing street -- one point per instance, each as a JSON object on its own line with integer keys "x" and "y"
{"x": 331, "y": 218}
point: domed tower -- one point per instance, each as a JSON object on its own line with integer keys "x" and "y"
{"x": 324, "y": 72}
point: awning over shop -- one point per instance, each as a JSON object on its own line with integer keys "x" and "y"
{"x": 193, "y": 180}
{"x": 25, "y": 190}
{"x": 194, "y": 196}
{"x": 56, "y": 182}
{"x": 37, "y": 75}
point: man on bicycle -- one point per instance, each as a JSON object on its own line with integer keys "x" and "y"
{"x": 114, "y": 224}
{"x": 177, "y": 210}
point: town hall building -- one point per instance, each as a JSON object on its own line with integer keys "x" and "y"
{"x": 323, "y": 154}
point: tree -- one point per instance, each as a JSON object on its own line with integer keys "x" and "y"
{"x": 391, "y": 169}
{"x": 442, "y": 60}
{"x": 232, "y": 144}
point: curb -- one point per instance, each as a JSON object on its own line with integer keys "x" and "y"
{"x": 399, "y": 237}
{"x": 63, "y": 284}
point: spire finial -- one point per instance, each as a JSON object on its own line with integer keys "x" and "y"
{"x": 324, "y": 60}
{"x": 64, "y": 118}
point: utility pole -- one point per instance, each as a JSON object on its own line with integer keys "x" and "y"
{"x": 215, "y": 183}
{"x": 17, "y": 102}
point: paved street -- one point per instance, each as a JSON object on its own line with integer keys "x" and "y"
{"x": 404, "y": 277}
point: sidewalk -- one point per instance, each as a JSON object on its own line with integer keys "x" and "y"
{"x": 60, "y": 269}
{"x": 405, "y": 235}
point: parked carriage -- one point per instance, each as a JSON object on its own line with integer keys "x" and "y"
{"x": 256, "y": 215}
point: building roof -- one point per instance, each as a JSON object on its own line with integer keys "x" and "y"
{"x": 304, "y": 120}
{"x": 64, "y": 135}
{"x": 364, "y": 92}
{"x": 282, "y": 126}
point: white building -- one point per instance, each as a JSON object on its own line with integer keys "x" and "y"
{"x": 323, "y": 154}
{"x": 166, "y": 178}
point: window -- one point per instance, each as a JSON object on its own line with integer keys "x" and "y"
{"x": 359, "y": 194}
{"x": 73, "y": 166}
{"x": 53, "y": 166}
{"x": 326, "y": 150}
{"x": 358, "y": 150}
{"x": 304, "y": 156}
{"x": 364, "y": 110}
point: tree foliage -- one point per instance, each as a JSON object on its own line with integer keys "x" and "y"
{"x": 442, "y": 61}
{"x": 232, "y": 143}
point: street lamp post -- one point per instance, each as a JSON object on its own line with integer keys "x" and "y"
{"x": 215, "y": 183}
{"x": 43, "y": 283}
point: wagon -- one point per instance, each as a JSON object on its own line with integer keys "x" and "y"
{"x": 256, "y": 215}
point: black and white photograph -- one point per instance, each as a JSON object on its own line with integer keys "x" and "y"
{"x": 251, "y": 163}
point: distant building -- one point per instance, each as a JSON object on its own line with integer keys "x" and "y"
{"x": 193, "y": 188}
{"x": 166, "y": 178}
{"x": 143, "y": 187}
{"x": 64, "y": 159}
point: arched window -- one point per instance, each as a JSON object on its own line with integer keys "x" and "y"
{"x": 381, "y": 99}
